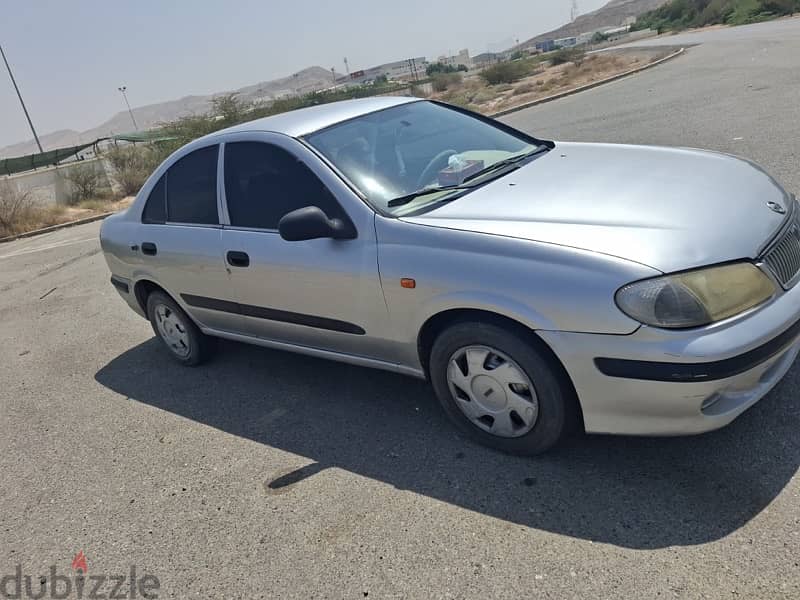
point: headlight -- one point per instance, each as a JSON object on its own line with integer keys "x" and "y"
{"x": 695, "y": 298}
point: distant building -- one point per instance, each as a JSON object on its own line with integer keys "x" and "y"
{"x": 615, "y": 33}
{"x": 462, "y": 58}
{"x": 546, "y": 46}
{"x": 567, "y": 42}
{"x": 409, "y": 69}
{"x": 486, "y": 59}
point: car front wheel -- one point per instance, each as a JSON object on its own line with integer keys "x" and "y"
{"x": 499, "y": 388}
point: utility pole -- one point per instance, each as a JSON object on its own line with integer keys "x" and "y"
{"x": 333, "y": 75}
{"x": 25, "y": 110}
{"x": 346, "y": 66}
{"x": 574, "y": 12}
{"x": 130, "y": 112}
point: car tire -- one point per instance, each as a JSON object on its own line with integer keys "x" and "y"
{"x": 176, "y": 330}
{"x": 496, "y": 365}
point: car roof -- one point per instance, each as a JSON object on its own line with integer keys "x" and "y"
{"x": 300, "y": 122}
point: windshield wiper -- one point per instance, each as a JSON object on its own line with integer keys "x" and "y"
{"x": 504, "y": 163}
{"x": 402, "y": 200}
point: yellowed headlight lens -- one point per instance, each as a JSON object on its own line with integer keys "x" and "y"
{"x": 728, "y": 290}
{"x": 696, "y": 298}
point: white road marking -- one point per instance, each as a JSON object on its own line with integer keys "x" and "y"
{"x": 47, "y": 247}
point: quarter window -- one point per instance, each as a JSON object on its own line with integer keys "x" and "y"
{"x": 192, "y": 188}
{"x": 264, "y": 182}
{"x": 155, "y": 211}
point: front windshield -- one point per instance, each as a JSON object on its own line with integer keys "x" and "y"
{"x": 418, "y": 146}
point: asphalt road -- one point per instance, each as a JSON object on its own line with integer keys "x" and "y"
{"x": 265, "y": 474}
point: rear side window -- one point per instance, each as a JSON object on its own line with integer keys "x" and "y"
{"x": 155, "y": 210}
{"x": 264, "y": 182}
{"x": 192, "y": 188}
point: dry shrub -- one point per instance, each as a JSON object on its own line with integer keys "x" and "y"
{"x": 18, "y": 213}
{"x": 15, "y": 207}
{"x": 96, "y": 204}
{"x": 132, "y": 166}
{"x": 525, "y": 88}
{"x": 444, "y": 81}
{"x": 506, "y": 72}
{"x": 85, "y": 181}
{"x": 460, "y": 98}
{"x": 483, "y": 96}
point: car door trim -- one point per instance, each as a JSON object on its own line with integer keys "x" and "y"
{"x": 272, "y": 314}
{"x": 352, "y": 359}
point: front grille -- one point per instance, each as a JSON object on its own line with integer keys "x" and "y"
{"x": 783, "y": 258}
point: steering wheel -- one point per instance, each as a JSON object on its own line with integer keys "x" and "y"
{"x": 437, "y": 163}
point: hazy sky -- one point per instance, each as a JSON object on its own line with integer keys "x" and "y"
{"x": 69, "y": 57}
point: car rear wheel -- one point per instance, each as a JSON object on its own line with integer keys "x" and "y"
{"x": 184, "y": 340}
{"x": 499, "y": 388}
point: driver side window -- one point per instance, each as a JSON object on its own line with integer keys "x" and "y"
{"x": 264, "y": 182}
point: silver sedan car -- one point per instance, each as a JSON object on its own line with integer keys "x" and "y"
{"x": 539, "y": 286}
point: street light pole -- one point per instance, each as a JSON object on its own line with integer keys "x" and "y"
{"x": 130, "y": 112}
{"x": 24, "y": 109}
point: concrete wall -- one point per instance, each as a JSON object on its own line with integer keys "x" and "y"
{"x": 49, "y": 185}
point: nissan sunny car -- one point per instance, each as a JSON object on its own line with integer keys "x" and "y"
{"x": 538, "y": 285}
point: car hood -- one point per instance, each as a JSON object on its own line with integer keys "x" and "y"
{"x": 668, "y": 208}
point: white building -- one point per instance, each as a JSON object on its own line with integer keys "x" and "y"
{"x": 567, "y": 42}
{"x": 462, "y": 58}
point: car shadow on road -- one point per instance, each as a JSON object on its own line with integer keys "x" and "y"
{"x": 631, "y": 492}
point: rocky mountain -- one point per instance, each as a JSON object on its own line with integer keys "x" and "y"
{"x": 610, "y": 15}
{"x": 307, "y": 80}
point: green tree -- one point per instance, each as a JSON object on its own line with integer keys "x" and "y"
{"x": 439, "y": 67}
{"x": 504, "y": 72}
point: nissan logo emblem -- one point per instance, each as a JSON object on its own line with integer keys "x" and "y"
{"x": 774, "y": 206}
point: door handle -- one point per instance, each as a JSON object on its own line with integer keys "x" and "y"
{"x": 149, "y": 248}
{"x": 238, "y": 259}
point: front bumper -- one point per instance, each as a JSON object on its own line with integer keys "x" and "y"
{"x": 662, "y": 382}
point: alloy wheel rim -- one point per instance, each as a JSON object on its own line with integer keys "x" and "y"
{"x": 173, "y": 330}
{"x": 492, "y": 391}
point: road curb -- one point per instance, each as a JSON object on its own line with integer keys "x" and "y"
{"x": 27, "y": 234}
{"x": 588, "y": 86}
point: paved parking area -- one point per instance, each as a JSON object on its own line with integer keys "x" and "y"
{"x": 265, "y": 474}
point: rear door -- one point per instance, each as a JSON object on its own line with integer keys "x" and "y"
{"x": 320, "y": 293}
{"x": 179, "y": 242}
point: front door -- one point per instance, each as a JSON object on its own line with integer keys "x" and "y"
{"x": 321, "y": 293}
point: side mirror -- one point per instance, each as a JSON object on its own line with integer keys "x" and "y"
{"x": 310, "y": 223}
